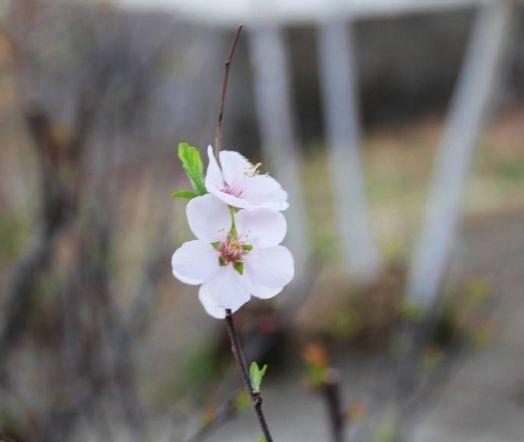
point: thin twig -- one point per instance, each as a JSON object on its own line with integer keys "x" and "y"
{"x": 260, "y": 344}
{"x": 236, "y": 348}
{"x": 256, "y": 398}
{"x": 227, "y": 64}
{"x": 331, "y": 389}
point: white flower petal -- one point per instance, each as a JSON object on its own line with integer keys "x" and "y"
{"x": 261, "y": 227}
{"x": 230, "y": 200}
{"x": 234, "y": 167}
{"x": 209, "y": 304}
{"x": 270, "y": 267}
{"x": 226, "y": 289}
{"x": 214, "y": 178}
{"x": 264, "y": 191}
{"x": 260, "y": 291}
{"x": 209, "y": 218}
{"x": 195, "y": 262}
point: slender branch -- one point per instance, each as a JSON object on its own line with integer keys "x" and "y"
{"x": 236, "y": 348}
{"x": 260, "y": 344}
{"x": 256, "y": 398}
{"x": 227, "y": 64}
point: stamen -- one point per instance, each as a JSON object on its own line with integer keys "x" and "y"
{"x": 232, "y": 250}
{"x": 253, "y": 169}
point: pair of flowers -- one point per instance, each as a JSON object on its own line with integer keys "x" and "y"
{"x": 237, "y": 220}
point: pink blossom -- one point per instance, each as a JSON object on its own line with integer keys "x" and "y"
{"x": 230, "y": 261}
{"x": 238, "y": 183}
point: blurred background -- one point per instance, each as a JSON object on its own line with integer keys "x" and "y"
{"x": 398, "y": 129}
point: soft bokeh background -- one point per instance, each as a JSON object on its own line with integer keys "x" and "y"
{"x": 98, "y": 340}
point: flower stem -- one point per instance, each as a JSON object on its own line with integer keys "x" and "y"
{"x": 256, "y": 398}
{"x": 227, "y": 64}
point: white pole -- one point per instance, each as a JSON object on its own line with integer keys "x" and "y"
{"x": 470, "y": 102}
{"x": 274, "y": 113}
{"x": 339, "y": 84}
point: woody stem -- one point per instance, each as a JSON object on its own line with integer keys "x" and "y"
{"x": 256, "y": 398}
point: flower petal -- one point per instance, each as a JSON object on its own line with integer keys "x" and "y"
{"x": 261, "y": 227}
{"x": 264, "y": 191}
{"x": 209, "y": 218}
{"x": 271, "y": 267}
{"x": 214, "y": 178}
{"x": 234, "y": 167}
{"x": 260, "y": 291}
{"x": 226, "y": 289}
{"x": 210, "y": 305}
{"x": 230, "y": 200}
{"x": 195, "y": 262}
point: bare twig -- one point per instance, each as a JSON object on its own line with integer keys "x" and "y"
{"x": 259, "y": 344}
{"x": 331, "y": 389}
{"x": 232, "y": 333}
{"x": 227, "y": 64}
{"x": 256, "y": 398}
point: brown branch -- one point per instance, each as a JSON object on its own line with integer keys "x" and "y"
{"x": 331, "y": 390}
{"x": 259, "y": 345}
{"x": 256, "y": 398}
{"x": 21, "y": 288}
{"x": 23, "y": 284}
{"x": 227, "y": 65}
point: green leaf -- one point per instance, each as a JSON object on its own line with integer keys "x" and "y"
{"x": 247, "y": 247}
{"x": 262, "y": 439}
{"x": 256, "y": 374}
{"x": 239, "y": 267}
{"x": 184, "y": 194}
{"x": 192, "y": 164}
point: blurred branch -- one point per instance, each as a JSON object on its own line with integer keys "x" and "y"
{"x": 52, "y": 218}
{"x": 147, "y": 289}
{"x": 415, "y": 384}
{"x": 214, "y": 419}
{"x": 331, "y": 389}
{"x": 21, "y": 288}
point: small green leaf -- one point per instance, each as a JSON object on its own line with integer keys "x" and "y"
{"x": 247, "y": 247}
{"x": 262, "y": 439}
{"x": 256, "y": 374}
{"x": 239, "y": 267}
{"x": 192, "y": 164}
{"x": 184, "y": 194}
{"x": 216, "y": 245}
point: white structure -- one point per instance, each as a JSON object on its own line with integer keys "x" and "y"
{"x": 230, "y": 13}
{"x": 274, "y": 113}
{"x": 339, "y": 87}
{"x": 470, "y": 102}
{"x": 338, "y": 84}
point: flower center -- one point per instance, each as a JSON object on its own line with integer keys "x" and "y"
{"x": 231, "y": 251}
{"x": 231, "y": 190}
